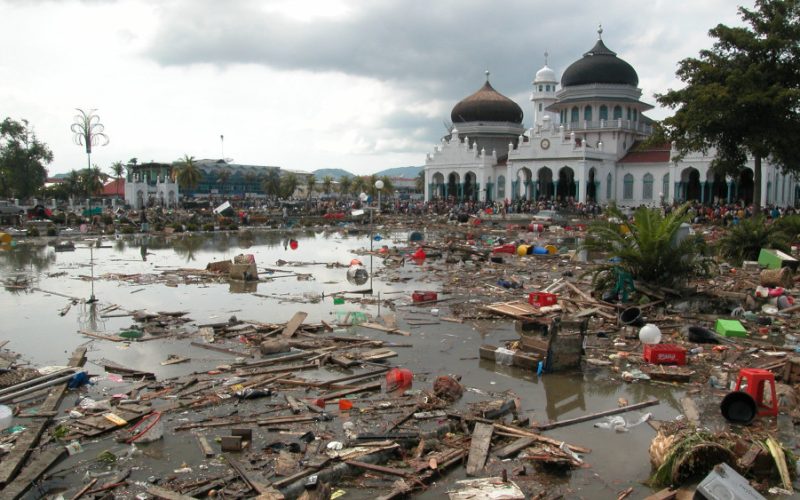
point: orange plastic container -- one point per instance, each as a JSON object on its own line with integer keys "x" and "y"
{"x": 399, "y": 378}
{"x": 424, "y": 296}
{"x": 345, "y": 404}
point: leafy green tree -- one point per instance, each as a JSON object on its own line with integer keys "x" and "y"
{"x": 419, "y": 182}
{"x": 23, "y": 160}
{"x": 186, "y": 173}
{"x": 74, "y": 184}
{"x": 647, "y": 248}
{"x": 742, "y": 96}
{"x": 388, "y": 185}
{"x": 288, "y": 184}
{"x": 327, "y": 183}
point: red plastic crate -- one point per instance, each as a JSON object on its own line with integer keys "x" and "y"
{"x": 542, "y": 299}
{"x": 423, "y": 296}
{"x": 664, "y": 354}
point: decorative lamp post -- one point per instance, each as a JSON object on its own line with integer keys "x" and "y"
{"x": 88, "y": 131}
{"x": 379, "y": 187}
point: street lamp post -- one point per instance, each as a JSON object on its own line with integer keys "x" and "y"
{"x": 87, "y": 131}
{"x": 379, "y": 187}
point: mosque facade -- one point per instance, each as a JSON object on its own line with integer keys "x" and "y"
{"x": 583, "y": 146}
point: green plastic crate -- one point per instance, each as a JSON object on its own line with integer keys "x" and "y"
{"x": 730, "y": 328}
{"x": 775, "y": 259}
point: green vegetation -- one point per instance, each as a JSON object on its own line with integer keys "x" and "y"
{"x": 745, "y": 240}
{"x": 23, "y": 160}
{"x": 647, "y": 248}
{"x": 741, "y": 96}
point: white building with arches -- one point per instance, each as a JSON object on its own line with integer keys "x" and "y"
{"x": 583, "y": 145}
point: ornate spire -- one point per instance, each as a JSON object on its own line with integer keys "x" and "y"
{"x": 599, "y": 31}
{"x": 546, "y": 55}
{"x": 487, "y": 74}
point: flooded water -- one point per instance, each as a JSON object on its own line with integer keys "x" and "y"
{"x": 140, "y": 273}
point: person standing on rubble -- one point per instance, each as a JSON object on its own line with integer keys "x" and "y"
{"x": 143, "y": 220}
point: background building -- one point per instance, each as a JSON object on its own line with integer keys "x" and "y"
{"x": 583, "y": 146}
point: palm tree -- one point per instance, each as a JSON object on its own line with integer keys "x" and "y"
{"x": 647, "y": 248}
{"x": 92, "y": 180}
{"x": 745, "y": 240}
{"x": 117, "y": 168}
{"x": 345, "y": 183}
{"x": 358, "y": 186}
{"x": 74, "y": 185}
{"x": 288, "y": 185}
{"x": 186, "y": 173}
{"x": 271, "y": 183}
{"x": 311, "y": 182}
{"x": 327, "y": 182}
{"x": 388, "y": 185}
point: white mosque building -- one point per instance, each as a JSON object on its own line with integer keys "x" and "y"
{"x": 583, "y": 145}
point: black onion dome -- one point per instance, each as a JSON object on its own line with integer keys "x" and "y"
{"x": 599, "y": 65}
{"x": 486, "y": 105}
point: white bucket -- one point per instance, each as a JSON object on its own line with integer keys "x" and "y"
{"x": 6, "y": 417}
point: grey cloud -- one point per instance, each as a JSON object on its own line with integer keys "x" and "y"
{"x": 435, "y": 50}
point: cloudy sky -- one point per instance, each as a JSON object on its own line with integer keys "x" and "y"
{"x": 354, "y": 84}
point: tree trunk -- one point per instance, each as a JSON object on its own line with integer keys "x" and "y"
{"x": 757, "y": 185}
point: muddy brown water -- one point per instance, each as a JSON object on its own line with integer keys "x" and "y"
{"x": 32, "y": 324}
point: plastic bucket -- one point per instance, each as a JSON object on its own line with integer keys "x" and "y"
{"x": 6, "y": 417}
{"x": 523, "y": 250}
{"x": 738, "y": 407}
{"x": 540, "y": 251}
{"x": 631, "y": 316}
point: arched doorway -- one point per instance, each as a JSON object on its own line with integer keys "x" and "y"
{"x": 690, "y": 184}
{"x": 744, "y": 187}
{"x": 452, "y": 191}
{"x": 566, "y": 184}
{"x": 545, "y": 188}
{"x": 470, "y": 186}
{"x": 591, "y": 186}
{"x": 524, "y": 187}
{"x": 436, "y": 188}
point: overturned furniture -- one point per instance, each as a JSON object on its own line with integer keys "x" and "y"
{"x": 558, "y": 344}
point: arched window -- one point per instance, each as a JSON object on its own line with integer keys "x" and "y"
{"x": 587, "y": 113}
{"x": 540, "y": 107}
{"x": 629, "y": 113}
{"x": 609, "y": 185}
{"x": 647, "y": 187}
{"x": 501, "y": 187}
{"x": 561, "y": 116}
{"x": 665, "y": 186}
{"x": 627, "y": 187}
{"x": 604, "y": 112}
{"x": 617, "y": 112}
{"x": 547, "y": 88}
{"x": 540, "y": 88}
{"x": 635, "y": 115}
{"x": 574, "y": 114}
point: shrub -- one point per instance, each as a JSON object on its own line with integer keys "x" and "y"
{"x": 745, "y": 240}
{"x": 208, "y": 227}
{"x": 51, "y": 231}
{"x": 33, "y": 232}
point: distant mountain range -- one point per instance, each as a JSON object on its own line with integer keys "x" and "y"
{"x": 337, "y": 173}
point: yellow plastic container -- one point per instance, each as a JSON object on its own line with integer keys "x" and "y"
{"x": 523, "y": 250}
{"x": 551, "y": 249}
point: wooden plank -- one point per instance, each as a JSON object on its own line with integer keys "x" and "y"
{"x": 381, "y": 328}
{"x": 479, "y": 448}
{"x": 260, "y": 486}
{"x": 165, "y": 494}
{"x": 38, "y": 465}
{"x": 599, "y": 414}
{"x": 13, "y": 461}
{"x": 512, "y": 449}
{"x": 225, "y": 350}
{"x": 294, "y": 324}
{"x": 665, "y": 494}
{"x": 378, "y": 468}
{"x": 372, "y": 386}
{"x": 205, "y": 447}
